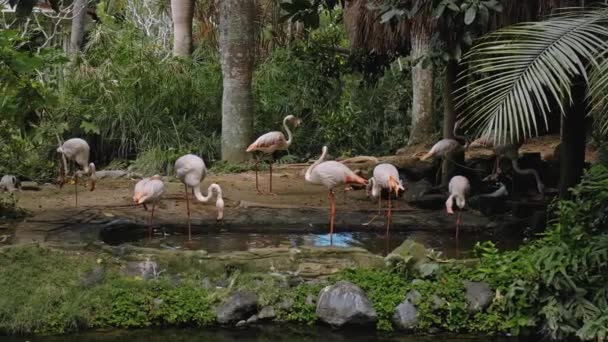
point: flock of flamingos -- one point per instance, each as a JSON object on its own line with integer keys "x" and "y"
{"x": 191, "y": 171}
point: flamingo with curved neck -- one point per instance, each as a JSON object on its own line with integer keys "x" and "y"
{"x": 272, "y": 142}
{"x": 78, "y": 150}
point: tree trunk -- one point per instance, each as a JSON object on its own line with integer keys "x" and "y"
{"x": 182, "y": 12}
{"x": 79, "y": 14}
{"x": 573, "y": 139}
{"x": 237, "y": 55}
{"x": 422, "y": 126}
{"x": 449, "y": 119}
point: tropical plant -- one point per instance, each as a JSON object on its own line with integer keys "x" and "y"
{"x": 520, "y": 74}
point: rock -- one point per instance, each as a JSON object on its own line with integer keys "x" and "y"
{"x": 405, "y": 316}
{"x": 414, "y": 256}
{"x": 413, "y": 297}
{"x": 253, "y": 319}
{"x": 96, "y": 276}
{"x": 239, "y": 306}
{"x": 416, "y": 190}
{"x": 110, "y": 174}
{"x": 437, "y": 301}
{"x": 345, "y": 303}
{"x": 145, "y": 269}
{"x": 478, "y": 295}
{"x": 311, "y": 300}
{"x": 286, "y": 304}
{"x": 31, "y": 186}
{"x": 267, "y": 312}
{"x": 240, "y": 324}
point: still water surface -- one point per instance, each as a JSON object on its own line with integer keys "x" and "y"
{"x": 261, "y": 334}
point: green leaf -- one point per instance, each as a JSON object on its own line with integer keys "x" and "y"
{"x": 469, "y": 16}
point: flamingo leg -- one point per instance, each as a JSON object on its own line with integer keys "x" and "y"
{"x": 188, "y": 212}
{"x": 332, "y": 216}
{"x": 150, "y": 223}
{"x": 257, "y": 163}
{"x": 458, "y": 221}
{"x": 76, "y": 189}
{"x": 388, "y": 214}
{"x": 271, "y": 175}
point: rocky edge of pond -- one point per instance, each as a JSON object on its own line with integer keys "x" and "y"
{"x": 339, "y": 305}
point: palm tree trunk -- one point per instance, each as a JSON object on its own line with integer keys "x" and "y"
{"x": 79, "y": 13}
{"x": 422, "y": 126}
{"x": 237, "y": 55}
{"x": 449, "y": 118}
{"x": 573, "y": 140}
{"x": 182, "y": 12}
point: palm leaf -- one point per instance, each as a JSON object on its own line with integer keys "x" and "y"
{"x": 598, "y": 90}
{"x": 521, "y": 71}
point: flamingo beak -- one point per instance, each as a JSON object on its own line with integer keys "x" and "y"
{"x": 93, "y": 182}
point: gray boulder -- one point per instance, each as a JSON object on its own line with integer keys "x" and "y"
{"x": 405, "y": 316}
{"x": 110, "y": 174}
{"x": 478, "y": 295}
{"x": 239, "y": 306}
{"x": 30, "y": 186}
{"x": 267, "y": 312}
{"x": 345, "y": 303}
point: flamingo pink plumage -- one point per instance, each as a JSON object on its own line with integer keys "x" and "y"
{"x": 149, "y": 191}
{"x": 273, "y": 141}
{"x": 459, "y": 187}
{"x": 191, "y": 170}
{"x": 78, "y": 150}
{"x": 331, "y": 174}
{"x": 385, "y": 176}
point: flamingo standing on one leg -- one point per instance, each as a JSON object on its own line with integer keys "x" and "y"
{"x": 385, "y": 176}
{"x": 271, "y": 142}
{"x": 331, "y": 174}
{"x": 76, "y": 149}
{"x": 191, "y": 171}
{"x": 459, "y": 187}
{"x": 149, "y": 191}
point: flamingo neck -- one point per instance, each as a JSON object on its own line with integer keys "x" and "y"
{"x": 201, "y": 198}
{"x": 539, "y": 184}
{"x": 308, "y": 174}
{"x": 289, "y": 136}
{"x": 459, "y": 137}
{"x": 92, "y": 171}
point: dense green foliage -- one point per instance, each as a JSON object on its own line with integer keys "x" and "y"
{"x": 133, "y": 103}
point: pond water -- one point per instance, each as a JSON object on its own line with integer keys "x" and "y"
{"x": 259, "y": 334}
{"x": 374, "y": 241}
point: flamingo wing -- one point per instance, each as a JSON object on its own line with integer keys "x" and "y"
{"x": 268, "y": 142}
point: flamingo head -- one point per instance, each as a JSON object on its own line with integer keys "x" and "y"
{"x": 294, "y": 120}
{"x": 219, "y": 204}
{"x": 395, "y": 185}
{"x": 136, "y": 197}
{"x": 448, "y": 205}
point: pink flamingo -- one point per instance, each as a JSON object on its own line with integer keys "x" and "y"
{"x": 459, "y": 187}
{"x": 191, "y": 171}
{"x": 331, "y": 174}
{"x": 76, "y": 149}
{"x": 510, "y": 150}
{"x": 446, "y": 148}
{"x": 385, "y": 176}
{"x": 273, "y": 141}
{"x": 149, "y": 191}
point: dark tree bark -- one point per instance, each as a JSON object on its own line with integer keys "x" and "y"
{"x": 422, "y": 127}
{"x": 573, "y": 140}
{"x": 182, "y": 13}
{"x": 449, "y": 120}
{"x": 79, "y": 13}
{"x": 237, "y": 55}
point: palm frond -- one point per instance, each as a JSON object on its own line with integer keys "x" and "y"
{"x": 520, "y": 72}
{"x": 598, "y": 91}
